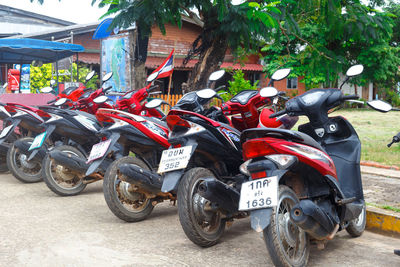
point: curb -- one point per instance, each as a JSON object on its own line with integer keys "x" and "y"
{"x": 383, "y": 222}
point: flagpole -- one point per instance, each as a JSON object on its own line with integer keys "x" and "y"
{"x": 170, "y": 76}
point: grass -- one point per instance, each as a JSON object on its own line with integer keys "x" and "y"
{"x": 375, "y": 130}
{"x": 385, "y": 207}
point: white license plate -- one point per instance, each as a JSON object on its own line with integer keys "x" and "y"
{"x": 175, "y": 159}
{"x": 6, "y": 131}
{"x": 98, "y": 150}
{"x": 38, "y": 141}
{"x": 259, "y": 194}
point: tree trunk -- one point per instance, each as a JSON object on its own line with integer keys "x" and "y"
{"x": 209, "y": 61}
{"x": 139, "y": 50}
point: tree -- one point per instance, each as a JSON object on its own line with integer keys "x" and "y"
{"x": 330, "y": 36}
{"x": 224, "y": 26}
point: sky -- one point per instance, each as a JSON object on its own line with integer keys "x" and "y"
{"x": 78, "y": 11}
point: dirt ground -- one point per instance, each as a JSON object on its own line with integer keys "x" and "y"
{"x": 381, "y": 190}
{"x": 38, "y": 228}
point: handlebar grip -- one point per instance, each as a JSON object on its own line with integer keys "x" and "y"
{"x": 276, "y": 114}
{"x": 108, "y": 88}
{"x": 349, "y": 97}
{"x": 51, "y": 101}
{"x": 152, "y": 88}
{"x": 396, "y": 139}
{"x": 220, "y": 88}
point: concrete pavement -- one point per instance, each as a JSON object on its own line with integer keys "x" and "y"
{"x": 38, "y": 228}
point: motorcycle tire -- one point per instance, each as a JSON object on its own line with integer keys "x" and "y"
{"x": 126, "y": 205}
{"x": 26, "y": 172}
{"x": 59, "y": 179}
{"x": 356, "y": 227}
{"x": 273, "y": 237}
{"x": 191, "y": 210}
{"x": 3, "y": 158}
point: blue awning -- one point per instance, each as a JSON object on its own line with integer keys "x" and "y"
{"x": 102, "y": 30}
{"x": 24, "y": 51}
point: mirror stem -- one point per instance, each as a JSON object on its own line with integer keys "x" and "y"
{"x": 345, "y": 81}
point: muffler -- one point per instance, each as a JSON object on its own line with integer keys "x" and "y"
{"x": 225, "y": 196}
{"x": 24, "y": 146}
{"x": 77, "y": 164}
{"x": 144, "y": 179}
{"x": 312, "y": 219}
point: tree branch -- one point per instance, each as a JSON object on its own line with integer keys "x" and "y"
{"x": 193, "y": 16}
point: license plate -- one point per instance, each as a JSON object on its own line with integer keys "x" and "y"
{"x": 98, "y": 150}
{"x": 259, "y": 194}
{"x": 175, "y": 159}
{"x": 38, "y": 141}
{"x": 6, "y": 131}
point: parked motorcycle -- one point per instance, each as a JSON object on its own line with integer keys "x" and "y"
{"x": 67, "y": 166}
{"x": 204, "y": 144}
{"x": 304, "y": 184}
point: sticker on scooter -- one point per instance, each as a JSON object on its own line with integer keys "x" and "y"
{"x": 259, "y": 194}
{"x": 38, "y": 141}
{"x": 175, "y": 159}
{"x": 98, "y": 150}
{"x": 6, "y": 131}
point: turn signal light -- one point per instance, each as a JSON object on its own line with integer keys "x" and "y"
{"x": 175, "y": 120}
{"x": 256, "y": 148}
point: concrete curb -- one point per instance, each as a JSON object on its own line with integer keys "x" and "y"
{"x": 383, "y": 222}
{"x": 380, "y": 172}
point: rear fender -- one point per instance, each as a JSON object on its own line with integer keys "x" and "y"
{"x": 48, "y": 131}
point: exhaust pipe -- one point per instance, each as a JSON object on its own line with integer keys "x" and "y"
{"x": 144, "y": 179}
{"x": 225, "y": 196}
{"x": 24, "y": 146}
{"x": 73, "y": 162}
{"x": 312, "y": 219}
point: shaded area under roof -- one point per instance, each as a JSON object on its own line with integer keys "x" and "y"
{"x": 24, "y": 51}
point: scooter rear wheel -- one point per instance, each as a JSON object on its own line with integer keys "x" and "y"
{"x": 202, "y": 226}
{"x": 287, "y": 244}
{"x": 123, "y": 202}
{"x": 25, "y": 171}
{"x": 61, "y": 180}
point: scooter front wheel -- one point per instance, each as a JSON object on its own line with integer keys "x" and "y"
{"x": 287, "y": 244}
{"x": 202, "y": 225}
{"x": 60, "y": 179}
{"x": 22, "y": 169}
{"x": 126, "y": 204}
{"x": 356, "y": 227}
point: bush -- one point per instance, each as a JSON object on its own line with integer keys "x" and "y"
{"x": 238, "y": 84}
{"x": 40, "y": 76}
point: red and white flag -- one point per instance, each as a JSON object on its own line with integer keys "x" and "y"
{"x": 167, "y": 67}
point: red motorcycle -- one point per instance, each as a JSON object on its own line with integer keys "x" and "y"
{"x": 304, "y": 184}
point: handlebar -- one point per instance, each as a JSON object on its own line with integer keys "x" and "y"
{"x": 51, "y": 101}
{"x": 152, "y": 88}
{"x": 276, "y": 114}
{"x": 108, "y": 88}
{"x": 396, "y": 139}
{"x": 219, "y": 88}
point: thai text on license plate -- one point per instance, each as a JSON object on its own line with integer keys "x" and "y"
{"x": 175, "y": 159}
{"x": 98, "y": 150}
{"x": 259, "y": 194}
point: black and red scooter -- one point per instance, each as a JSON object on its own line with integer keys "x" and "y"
{"x": 304, "y": 184}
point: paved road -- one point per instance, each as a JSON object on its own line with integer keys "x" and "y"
{"x": 38, "y": 228}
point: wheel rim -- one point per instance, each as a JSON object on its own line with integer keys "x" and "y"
{"x": 63, "y": 177}
{"x": 131, "y": 201}
{"x": 207, "y": 220}
{"x": 360, "y": 219}
{"x": 28, "y": 168}
{"x": 292, "y": 239}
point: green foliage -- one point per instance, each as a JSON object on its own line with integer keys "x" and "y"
{"x": 40, "y": 76}
{"x": 238, "y": 84}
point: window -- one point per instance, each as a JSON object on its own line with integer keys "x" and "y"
{"x": 253, "y": 77}
{"x": 291, "y": 83}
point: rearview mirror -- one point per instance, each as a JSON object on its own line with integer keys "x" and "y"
{"x": 268, "y": 92}
{"x": 280, "y": 74}
{"x": 100, "y": 99}
{"x": 46, "y": 89}
{"x": 206, "y": 93}
{"x": 152, "y": 77}
{"x": 5, "y": 85}
{"x": 355, "y": 70}
{"x": 107, "y": 76}
{"x": 216, "y": 75}
{"x": 155, "y": 103}
{"x": 52, "y": 82}
{"x": 380, "y": 105}
{"x": 60, "y": 102}
{"x": 90, "y": 75}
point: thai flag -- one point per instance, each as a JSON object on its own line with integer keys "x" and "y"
{"x": 167, "y": 67}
